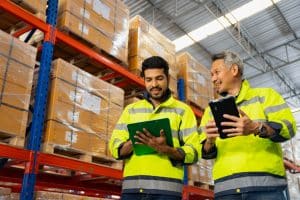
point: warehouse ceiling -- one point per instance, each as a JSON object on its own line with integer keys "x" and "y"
{"x": 267, "y": 37}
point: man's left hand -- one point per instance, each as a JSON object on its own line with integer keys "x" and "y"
{"x": 146, "y": 138}
{"x": 242, "y": 125}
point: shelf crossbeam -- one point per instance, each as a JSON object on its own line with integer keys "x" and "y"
{"x": 15, "y": 153}
{"x": 77, "y": 165}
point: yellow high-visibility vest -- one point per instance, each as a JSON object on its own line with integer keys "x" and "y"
{"x": 155, "y": 172}
{"x": 253, "y": 154}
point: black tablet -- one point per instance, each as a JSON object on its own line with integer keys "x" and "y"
{"x": 222, "y": 106}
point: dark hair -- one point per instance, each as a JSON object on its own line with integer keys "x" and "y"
{"x": 155, "y": 62}
{"x": 229, "y": 59}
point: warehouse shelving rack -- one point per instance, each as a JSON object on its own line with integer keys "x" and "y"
{"x": 27, "y": 178}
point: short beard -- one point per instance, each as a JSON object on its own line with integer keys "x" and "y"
{"x": 158, "y": 98}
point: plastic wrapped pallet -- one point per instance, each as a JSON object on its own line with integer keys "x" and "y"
{"x": 145, "y": 41}
{"x": 17, "y": 60}
{"x": 82, "y": 110}
{"x": 103, "y": 23}
{"x": 198, "y": 87}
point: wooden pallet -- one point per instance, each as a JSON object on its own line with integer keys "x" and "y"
{"x": 13, "y": 140}
{"x": 95, "y": 158}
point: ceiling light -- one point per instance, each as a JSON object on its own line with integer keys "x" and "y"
{"x": 219, "y": 24}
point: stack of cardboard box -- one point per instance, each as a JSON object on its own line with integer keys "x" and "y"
{"x": 198, "y": 87}
{"x": 103, "y": 23}
{"x": 17, "y": 61}
{"x": 82, "y": 110}
{"x": 146, "y": 41}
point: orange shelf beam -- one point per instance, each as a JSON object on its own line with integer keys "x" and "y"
{"x": 21, "y": 31}
{"x": 197, "y": 193}
{"x": 15, "y": 153}
{"x": 197, "y": 112}
{"x": 77, "y": 165}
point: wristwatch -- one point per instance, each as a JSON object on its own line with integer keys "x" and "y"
{"x": 263, "y": 131}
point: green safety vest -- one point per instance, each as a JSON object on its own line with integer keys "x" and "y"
{"x": 252, "y": 154}
{"x": 154, "y": 173}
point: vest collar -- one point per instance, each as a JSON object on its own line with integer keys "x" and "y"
{"x": 243, "y": 91}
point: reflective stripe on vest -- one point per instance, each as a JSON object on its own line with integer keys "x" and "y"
{"x": 152, "y": 183}
{"x": 249, "y": 181}
{"x": 290, "y": 127}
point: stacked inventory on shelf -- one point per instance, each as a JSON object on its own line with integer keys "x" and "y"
{"x": 198, "y": 87}
{"x": 82, "y": 111}
{"x": 17, "y": 61}
{"x": 145, "y": 41}
{"x": 103, "y": 23}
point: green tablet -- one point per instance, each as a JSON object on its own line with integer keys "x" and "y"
{"x": 154, "y": 127}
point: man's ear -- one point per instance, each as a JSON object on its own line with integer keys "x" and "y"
{"x": 235, "y": 69}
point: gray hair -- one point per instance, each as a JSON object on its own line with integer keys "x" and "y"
{"x": 230, "y": 58}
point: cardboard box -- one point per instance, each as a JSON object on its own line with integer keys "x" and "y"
{"x": 198, "y": 86}
{"x": 66, "y": 136}
{"x": 17, "y": 60}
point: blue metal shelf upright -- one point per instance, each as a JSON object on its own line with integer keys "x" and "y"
{"x": 41, "y": 92}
